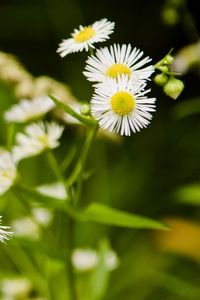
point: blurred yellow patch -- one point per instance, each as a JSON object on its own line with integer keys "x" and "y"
{"x": 183, "y": 238}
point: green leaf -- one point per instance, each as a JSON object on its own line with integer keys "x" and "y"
{"x": 189, "y": 194}
{"x": 101, "y": 213}
{"x": 186, "y": 108}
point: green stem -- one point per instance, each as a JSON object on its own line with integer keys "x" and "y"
{"x": 85, "y": 120}
{"x": 10, "y": 135}
{"x": 71, "y": 227}
{"x": 79, "y": 170}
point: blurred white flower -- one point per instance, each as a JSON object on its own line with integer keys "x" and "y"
{"x": 87, "y": 259}
{"x": 85, "y": 37}
{"x": 16, "y": 288}
{"x": 8, "y": 172}
{"x": 4, "y": 233}
{"x": 37, "y": 138}
{"x": 55, "y": 190}
{"x": 42, "y": 216}
{"x": 111, "y": 260}
{"x": 118, "y": 60}
{"x": 27, "y": 110}
{"x": 26, "y": 227}
{"x": 84, "y": 259}
{"x": 121, "y": 106}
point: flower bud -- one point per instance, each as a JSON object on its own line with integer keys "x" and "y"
{"x": 173, "y": 88}
{"x": 85, "y": 109}
{"x": 168, "y": 60}
{"x": 163, "y": 69}
{"x": 161, "y": 79}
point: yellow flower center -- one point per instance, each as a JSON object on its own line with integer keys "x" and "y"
{"x": 122, "y": 103}
{"x": 85, "y": 34}
{"x": 118, "y": 69}
{"x": 44, "y": 139}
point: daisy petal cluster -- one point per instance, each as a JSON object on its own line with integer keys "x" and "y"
{"x": 85, "y": 37}
{"x": 4, "y": 233}
{"x": 118, "y": 60}
{"x": 28, "y": 110}
{"x": 121, "y": 106}
{"x": 8, "y": 172}
{"x": 36, "y": 138}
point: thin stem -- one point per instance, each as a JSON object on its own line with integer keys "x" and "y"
{"x": 71, "y": 227}
{"x": 54, "y": 166}
{"x": 10, "y": 135}
{"x": 85, "y": 120}
{"x": 82, "y": 162}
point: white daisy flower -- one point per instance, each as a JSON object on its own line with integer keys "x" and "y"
{"x": 121, "y": 106}
{"x": 85, "y": 37}
{"x": 118, "y": 60}
{"x": 37, "y": 138}
{"x": 8, "y": 172}
{"x": 4, "y": 233}
{"x": 27, "y": 110}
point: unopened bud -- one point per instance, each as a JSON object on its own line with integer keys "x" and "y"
{"x": 163, "y": 69}
{"x": 173, "y": 88}
{"x": 161, "y": 79}
{"x": 168, "y": 60}
{"x": 85, "y": 109}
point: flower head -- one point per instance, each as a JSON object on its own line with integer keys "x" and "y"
{"x": 4, "y": 233}
{"x": 27, "y": 110}
{"x": 85, "y": 37}
{"x": 118, "y": 60}
{"x": 121, "y": 106}
{"x": 37, "y": 138}
{"x": 8, "y": 172}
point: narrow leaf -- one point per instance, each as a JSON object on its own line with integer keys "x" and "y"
{"x": 106, "y": 215}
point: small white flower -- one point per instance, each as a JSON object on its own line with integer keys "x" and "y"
{"x": 15, "y": 288}
{"x": 121, "y": 106}
{"x": 118, "y": 60}
{"x": 85, "y": 37}
{"x": 84, "y": 259}
{"x": 37, "y": 138}
{"x": 4, "y": 233}
{"x": 87, "y": 259}
{"x": 27, "y": 110}
{"x": 26, "y": 227}
{"x": 111, "y": 260}
{"x": 8, "y": 172}
{"x": 42, "y": 216}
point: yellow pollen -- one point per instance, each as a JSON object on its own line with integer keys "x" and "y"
{"x": 118, "y": 69}
{"x": 85, "y": 34}
{"x": 122, "y": 103}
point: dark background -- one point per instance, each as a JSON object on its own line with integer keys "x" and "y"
{"x": 141, "y": 173}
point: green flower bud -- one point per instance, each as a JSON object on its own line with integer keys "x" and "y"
{"x": 164, "y": 69}
{"x": 173, "y": 88}
{"x": 85, "y": 109}
{"x": 161, "y": 79}
{"x": 168, "y": 60}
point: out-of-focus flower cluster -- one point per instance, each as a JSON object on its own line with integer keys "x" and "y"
{"x": 26, "y": 86}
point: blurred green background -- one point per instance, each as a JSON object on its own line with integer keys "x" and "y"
{"x": 155, "y": 173}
